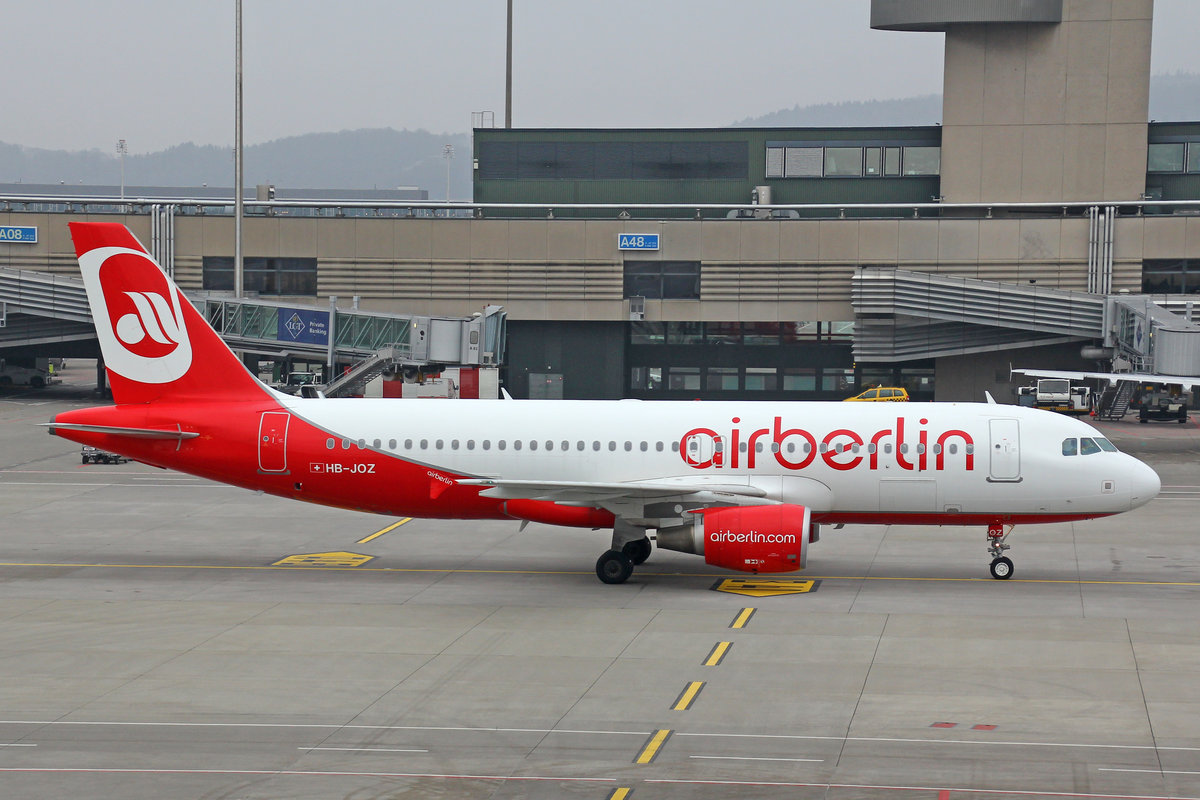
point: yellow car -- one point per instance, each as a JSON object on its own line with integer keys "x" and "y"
{"x": 885, "y": 394}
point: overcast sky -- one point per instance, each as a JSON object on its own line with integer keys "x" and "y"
{"x": 82, "y": 74}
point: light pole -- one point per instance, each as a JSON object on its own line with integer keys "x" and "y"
{"x": 448, "y": 154}
{"x": 122, "y": 151}
{"x": 238, "y": 167}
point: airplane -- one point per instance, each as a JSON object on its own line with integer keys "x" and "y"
{"x": 747, "y": 485}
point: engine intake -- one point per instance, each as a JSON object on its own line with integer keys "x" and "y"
{"x": 746, "y": 538}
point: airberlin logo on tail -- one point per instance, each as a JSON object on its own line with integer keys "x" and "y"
{"x": 138, "y": 316}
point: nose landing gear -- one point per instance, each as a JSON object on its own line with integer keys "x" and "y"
{"x": 1002, "y": 566}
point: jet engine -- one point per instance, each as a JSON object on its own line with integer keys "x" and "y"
{"x": 746, "y": 538}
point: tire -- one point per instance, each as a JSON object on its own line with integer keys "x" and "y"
{"x": 84, "y": 459}
{"x": 614, "y": 567}
{"x": 37, "y": 382}
{"x": 638, "y": 551}
{"x": 1002, "y": 568}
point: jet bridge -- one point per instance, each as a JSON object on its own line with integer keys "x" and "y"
{"x": 48, "y": 315}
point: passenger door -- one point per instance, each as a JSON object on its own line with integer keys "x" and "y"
{"x": 1004, "y": 464}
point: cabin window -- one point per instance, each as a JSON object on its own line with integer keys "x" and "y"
{"x": 1088, "y": 446}
{"x": 743, "y": 447}
{"x": 362, "y": 443}
{"x": 424, "y": 444}
{"x": 953, "y": 449}
{"x": 345, "y": 444}
{"x": 970, "y": 449}
{"x": 758, "y": 448}
{"x": 391, "y": 444}
{"x": 567, "y": 446}
{"x": 330, "y": 444}
{"x": 904, "y": 447}
{"x": 596, "y": 446}
{"x": 439, "y": 444}
{"x": 645, "y": 447}
{"x": 1070, "y": 447}
{"x": 486, "y": 444}
{"x": 580, "y": 445}
{"x": 376, "y": 444}
{"x": 470, "y": 444}
{"x": 824, "y": 447}
{"x": 502, "y": 444}
{"x": 612, "y": 447}
{"x": 549, "y": 447}
{"x": 658, "y": 446}
{"x": 516, "y": 444}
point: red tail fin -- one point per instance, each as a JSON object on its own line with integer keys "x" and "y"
{"x": 156, "y": 346}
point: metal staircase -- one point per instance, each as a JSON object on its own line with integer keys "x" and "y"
{"x": 1114, "y": 402}
{"x": 371, "y": 366}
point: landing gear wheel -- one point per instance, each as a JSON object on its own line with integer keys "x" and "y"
{"x": 638, "y": 551}
{"x": 1002, "y": 568}
{"x": 614, "y": 567}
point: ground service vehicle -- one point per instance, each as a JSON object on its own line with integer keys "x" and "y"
{"x": 1056, "y": 394}
{"x": 95, "y": 455}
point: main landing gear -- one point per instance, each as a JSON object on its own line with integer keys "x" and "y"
{"x": 1002, "y": 566}
{"x": 630, "y": 547}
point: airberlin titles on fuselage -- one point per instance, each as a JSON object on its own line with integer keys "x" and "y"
{"x": 841, "y": 449}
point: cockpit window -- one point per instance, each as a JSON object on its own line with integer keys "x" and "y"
{"x": 1106, "y": 445}
{"x": 1070, "y": 447}
{"x": 1088, "y": 446}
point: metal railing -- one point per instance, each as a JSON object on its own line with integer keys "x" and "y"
{"x": 466, "y": 210}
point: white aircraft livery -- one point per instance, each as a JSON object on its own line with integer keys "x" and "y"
{"x": 745, "y": 485}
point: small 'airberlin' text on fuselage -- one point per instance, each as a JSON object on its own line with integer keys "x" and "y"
{"x": 841, "y": 449}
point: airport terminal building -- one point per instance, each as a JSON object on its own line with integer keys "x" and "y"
{"x": 1044, "y": 215}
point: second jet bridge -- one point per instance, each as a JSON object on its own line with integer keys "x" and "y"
{"x": 342, "y": 337}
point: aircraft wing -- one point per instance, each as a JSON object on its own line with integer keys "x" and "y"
{"x": 588, "y": 493}
{"x": 1187, "y": 381}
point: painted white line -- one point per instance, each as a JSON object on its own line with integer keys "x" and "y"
{"x": 363, "y": 749}
{"x": 319, "y": 726}
{"x": 1151, "y": 771}
{"x": 303, "y": 774}
{"x": 1010, "y": 792}
{"x": 545, "y": 731}
{"x": 937, "y": 741}
{"x": 19, "y": 744}
{"x": 759, "y": 758}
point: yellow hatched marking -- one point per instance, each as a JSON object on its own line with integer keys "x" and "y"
{"x": 742, "y": 618}
{"x": 763, "y": 587}
{"x": 377, "y": 534}
{"x": 650, "y": 751}
{"x": 620, "y": 793}
{"x": 336, "y": 559}
{"x": 688, "y": 697}
{"x": 718, "y": 653}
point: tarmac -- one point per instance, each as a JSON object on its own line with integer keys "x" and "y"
{"x": 163, "y": 636}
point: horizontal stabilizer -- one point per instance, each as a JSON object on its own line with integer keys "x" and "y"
{"x": 116, "y": 430}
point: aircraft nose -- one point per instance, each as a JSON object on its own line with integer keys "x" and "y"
{"x": 1144, "y": 484}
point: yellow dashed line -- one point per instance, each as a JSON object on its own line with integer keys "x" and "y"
{"x": 717, "y": 654}
{"x": 742, "y": 618}
{"x": 653, "y": 745}
{"x": 377, "y": 534}
{"x": 685, "y": 700}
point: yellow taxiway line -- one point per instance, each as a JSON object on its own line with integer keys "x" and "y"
{"x": 377, "y": 534}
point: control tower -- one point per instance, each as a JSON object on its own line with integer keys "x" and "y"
{"x": 1043, "y": 100}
